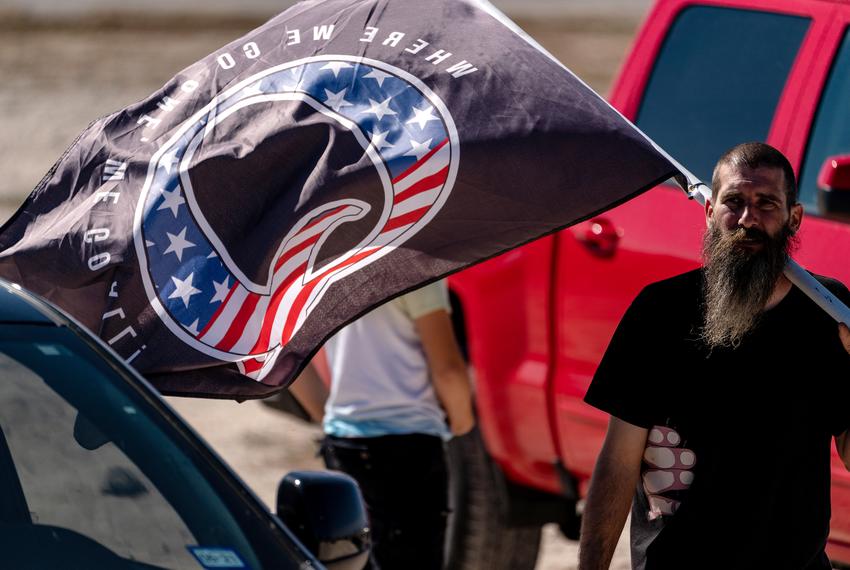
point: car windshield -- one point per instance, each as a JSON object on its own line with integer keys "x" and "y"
{"x": 93, "y": 475}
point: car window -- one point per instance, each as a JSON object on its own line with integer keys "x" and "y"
{"x": 717, "y": 81}
{"x": 85, "y": 462}
{"x": 830, "y": 133}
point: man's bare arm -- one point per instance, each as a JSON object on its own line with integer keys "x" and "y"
{"x": 448, "y": 369}
{"x": 310, "y": 392}
{"x": 612, "y": 488}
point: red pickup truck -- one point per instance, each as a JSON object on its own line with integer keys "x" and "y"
{"x": 702, "y": 76}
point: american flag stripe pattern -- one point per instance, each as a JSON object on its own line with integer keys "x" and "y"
{"x": 203, "y": 295}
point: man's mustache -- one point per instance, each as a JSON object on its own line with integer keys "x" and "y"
{"x": 747, "y": 235}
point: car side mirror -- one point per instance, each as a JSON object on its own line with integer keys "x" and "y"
{"x": 325, "y": 510}
{"x": 834, "y": 188}
{"x": 87, "y": 435}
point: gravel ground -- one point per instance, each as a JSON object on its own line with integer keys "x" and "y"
{"x": 58, "y": 78}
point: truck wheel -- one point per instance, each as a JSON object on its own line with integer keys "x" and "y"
{"x": 478, "y": 535}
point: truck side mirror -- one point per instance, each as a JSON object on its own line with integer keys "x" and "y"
{"x": 325, "y": 510}
{"x": 834, "y": 188}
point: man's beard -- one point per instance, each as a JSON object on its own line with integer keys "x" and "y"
{"x": 739, "y": 281}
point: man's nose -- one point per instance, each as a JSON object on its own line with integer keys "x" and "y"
{"x": 749, "y": 218}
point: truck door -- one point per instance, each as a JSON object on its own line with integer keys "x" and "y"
{"x": 821, "y": 133}
{"x": 700, "y": 80}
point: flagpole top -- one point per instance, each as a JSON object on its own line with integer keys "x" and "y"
{"x": 700, "y": 192}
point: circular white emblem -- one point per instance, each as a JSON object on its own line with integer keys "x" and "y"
{"x": 190, "y": 276}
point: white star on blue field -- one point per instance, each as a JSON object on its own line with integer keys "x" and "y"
{"x": 399, "y": 122}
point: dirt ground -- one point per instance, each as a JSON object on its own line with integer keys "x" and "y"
{"x": 262, "y": 445}
{"x": 56, "y": 79}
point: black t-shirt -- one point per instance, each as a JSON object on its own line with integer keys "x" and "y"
{"x": 760, "y": 419}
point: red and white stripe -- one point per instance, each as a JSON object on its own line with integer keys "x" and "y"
{"x": 238, "y": 322}
{"x": 416, "y": 190}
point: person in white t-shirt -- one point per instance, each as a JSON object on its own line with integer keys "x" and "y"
{"x": 399, "y": 389}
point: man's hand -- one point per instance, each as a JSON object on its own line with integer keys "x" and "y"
{"x": 844, "y": 334}
{"x": 666, "y": 467}
{"x": 310, "y": 392}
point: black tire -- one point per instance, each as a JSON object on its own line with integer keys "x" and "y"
{"x": 478, "y": 535}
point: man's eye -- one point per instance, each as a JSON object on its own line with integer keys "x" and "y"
{"x": 768, "y": 205}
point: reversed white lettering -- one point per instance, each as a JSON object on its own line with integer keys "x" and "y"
{"x": 294, "y": 37}
{"x": 461, "y": 68}
{"x": 369, "y": 34}
{"x": 98, "y": 234}
{"x": 189, "y": 86}
{"x": 167, "y": 104}
{"x": 119, "y": 312}
{"x": 323, "y": 32}
{"x": 438, "y": 56}
{"x": 418, "y": 46}
{"x": 393, "y": 39}
{"x": 226, "y": 61}
{"x": 104, "y": 196}
{"x": 99, "y": 261}
{"x": 126, "y": 331}
{"x": 135, "y": 354}
{"x": 251, "y": 50}
{"x": 148, "y": 120}
{"x": 114, "y": 170}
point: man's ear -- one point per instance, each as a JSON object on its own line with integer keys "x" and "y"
{"x": 709, "y": 210}
{"x": 796, "y": 219}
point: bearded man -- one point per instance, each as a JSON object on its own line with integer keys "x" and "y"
{"x": 726, "y": 386}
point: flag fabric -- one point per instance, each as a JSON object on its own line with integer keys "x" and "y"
{"x": 218, "y": 232}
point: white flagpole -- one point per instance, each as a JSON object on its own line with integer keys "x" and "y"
{"x": 794, "y": 272}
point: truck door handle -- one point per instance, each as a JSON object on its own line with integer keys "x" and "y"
{"x": 600, "y": 236}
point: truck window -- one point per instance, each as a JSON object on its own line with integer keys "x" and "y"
{"x": 830, "y": 133}
{"x": 717, "y": 80}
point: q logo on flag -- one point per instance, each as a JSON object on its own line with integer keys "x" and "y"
{"x": 193, "y": 280}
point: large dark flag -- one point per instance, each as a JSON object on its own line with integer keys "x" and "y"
{"x": 218, "y": 232}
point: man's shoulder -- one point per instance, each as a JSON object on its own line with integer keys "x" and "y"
{"x": 675, "y": 297}
{"x": 427, "y": 299}
{"x": 685, "y": 285}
